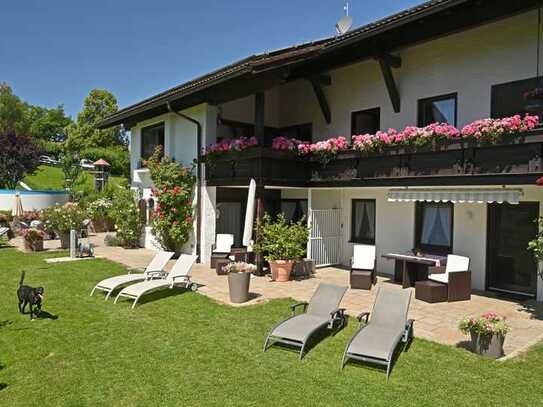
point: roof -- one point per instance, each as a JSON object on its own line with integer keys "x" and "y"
{"x": 277, "y": 59}
{"x": 101, "y": 163}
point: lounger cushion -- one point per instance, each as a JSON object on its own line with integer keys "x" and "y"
{"x": 299, "y": 327}
{"x": 114, "y": 282}
{"x": 374, "y": 341}
{"x": 144, "y": 286}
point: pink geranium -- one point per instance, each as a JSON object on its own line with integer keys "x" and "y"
{"x": 224, "y": 146}
{"x": 493, "y": 130}
{"x": 285, "y": 144}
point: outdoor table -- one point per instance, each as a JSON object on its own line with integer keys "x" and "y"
{"x": 409, "y": 268}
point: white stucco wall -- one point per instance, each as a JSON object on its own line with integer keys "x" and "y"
{"x": 468, "y": 63}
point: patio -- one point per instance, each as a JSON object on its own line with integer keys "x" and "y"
{"x": 435, "y": 322}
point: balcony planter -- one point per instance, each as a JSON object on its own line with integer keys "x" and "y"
{"x": 281, "y": 269}
{"x": 488, "y": 346}
{"x": 239, "y": 279}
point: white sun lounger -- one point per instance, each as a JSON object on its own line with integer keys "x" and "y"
{"x": 153, "y": 270}
{"x": 180, "y": 274}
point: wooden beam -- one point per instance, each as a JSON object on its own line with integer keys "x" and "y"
{"x": 323, "y": 80}
{"x": 321, "y": 98}
{"x": 259, "y": 117}
{"x": 394, "y": 95}
{"x": 393, "y": 60}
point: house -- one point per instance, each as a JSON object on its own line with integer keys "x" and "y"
{"x": 451, "y": 61}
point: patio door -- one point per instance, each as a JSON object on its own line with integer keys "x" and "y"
{"x": 230, "y": 220}
{"x": 325, "y": 237}
{"x": 510, "y": 266}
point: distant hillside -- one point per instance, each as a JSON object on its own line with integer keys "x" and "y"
{"x": 52, "y": 178}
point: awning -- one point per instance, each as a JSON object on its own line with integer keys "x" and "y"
{"x": 511, "y": 196}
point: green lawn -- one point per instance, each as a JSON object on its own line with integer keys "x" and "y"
{"x": 52, "y": 178}
{"x": 183, "y": 349}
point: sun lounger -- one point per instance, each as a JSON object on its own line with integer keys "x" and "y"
{"x": 322, "y": 311}
{"x": 180, "y": 274}
{"x": 153, "y": 270}
{"x": 377, "y": 340}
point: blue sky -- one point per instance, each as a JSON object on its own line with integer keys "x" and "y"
{"x": 54, "y": 52}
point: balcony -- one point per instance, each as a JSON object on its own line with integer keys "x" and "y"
{"x": 515, "y": 162}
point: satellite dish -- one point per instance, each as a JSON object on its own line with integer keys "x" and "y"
{"x": 344, "y": 25}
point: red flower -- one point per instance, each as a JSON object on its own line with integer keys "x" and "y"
{"x": 176, "y": 222}
{"x": 165, "y": 189}
{"x": 539, "y": 181}
{"x": 188, "y": 219}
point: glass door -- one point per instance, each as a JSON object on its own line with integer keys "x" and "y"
{"x": 510, "y": 266}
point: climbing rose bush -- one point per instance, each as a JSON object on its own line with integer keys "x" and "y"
{"x": 172, "y": 217}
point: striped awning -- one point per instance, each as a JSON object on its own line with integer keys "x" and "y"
{"x": 511, "y": 196}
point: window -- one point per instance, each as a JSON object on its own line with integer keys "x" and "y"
{"x": 363, "y": 221}
{"x": 365, "y": 121}
{"x": 507, "y": 99}
{"x": 294, "y": 209}
{"x": 434, "y": 227}
{"x": 151, "y": 137}
{"x": 302, "y": 132}
{"x": 440, "y": 109}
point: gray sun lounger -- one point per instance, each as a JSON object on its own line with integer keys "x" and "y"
{"x": 377, "y": 340}
{"x": 321, "y": 311}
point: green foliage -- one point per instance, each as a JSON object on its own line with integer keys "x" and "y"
{"x": 70, "y": 164}
{"x": 52, "y": 148}
{"x": 536, "y": 245}
{"x": 281, "y": 240}
{"x": 98, "y": 105}
{"x": 39, "y": 122}
{"x": 19, "y": 156}
{"x": 47, "y": 124}
{"x": 12, "y": 111}
{"x": 174, "y": 189}
{"x": 117, "y": 156}
{"x": 126, "y": 215}
{"x": 64, "y": 218}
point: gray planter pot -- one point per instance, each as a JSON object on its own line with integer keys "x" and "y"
{"x": 238, "y": 284}
{"x": 488, "y": 346}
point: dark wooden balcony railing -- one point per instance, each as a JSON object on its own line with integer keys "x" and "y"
{"x": 517, "y": 162}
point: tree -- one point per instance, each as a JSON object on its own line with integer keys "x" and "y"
{"x": 47, "y": 124}
{"x": 71, "y": 168}
{"x": 98, "y": 105}
{"x": 12, "y": 112}
{"x": 19, "y": 156}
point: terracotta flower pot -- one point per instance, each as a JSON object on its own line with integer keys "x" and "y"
{"x": 488, "y": 346}
{"x": 281, "y": 269}
{"x": 238, "y": 286}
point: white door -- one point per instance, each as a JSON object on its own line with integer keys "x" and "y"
{"x": 325, "y": 237}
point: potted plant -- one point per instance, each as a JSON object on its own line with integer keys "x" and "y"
{"x": 487, "y": 333}
{"x": 62, "y": 219}
{"x": 282, "y": 243}
{"x": 33, "y": 239}
{"x": 239, "y": 278}
{"x": 98, "y": 211}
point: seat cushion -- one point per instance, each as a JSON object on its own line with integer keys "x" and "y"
{"x": 299, "y": 327}
{"x": 374, "y": 341}
{"x": 440, "y": 278}
{"x": 144, "y": 286}
{"x": 114, "y": 282}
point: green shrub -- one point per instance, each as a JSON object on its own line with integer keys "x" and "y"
{"x": 281, "y": 240}
{"x": 52, "y": 149}
{"x": 126, "y": 215}
{"x": 117, "y": 156}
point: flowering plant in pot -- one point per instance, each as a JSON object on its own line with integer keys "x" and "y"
{"x": 239, "y": 278}
{"x": 33, "y": 239}
{"x": 487, "y": 333}
{"x": 98, "y": 211}
{"x": 281, "y": 242}
{"x": 64, "y": 218}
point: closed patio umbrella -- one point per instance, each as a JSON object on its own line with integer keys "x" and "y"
{"x": 249, "y": 215}
{"x": 18, "y": 208}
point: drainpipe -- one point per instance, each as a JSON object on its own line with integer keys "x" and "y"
{"x": 198, "y": 177}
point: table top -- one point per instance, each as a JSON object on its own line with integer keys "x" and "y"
{"x": 430, "y": 259}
